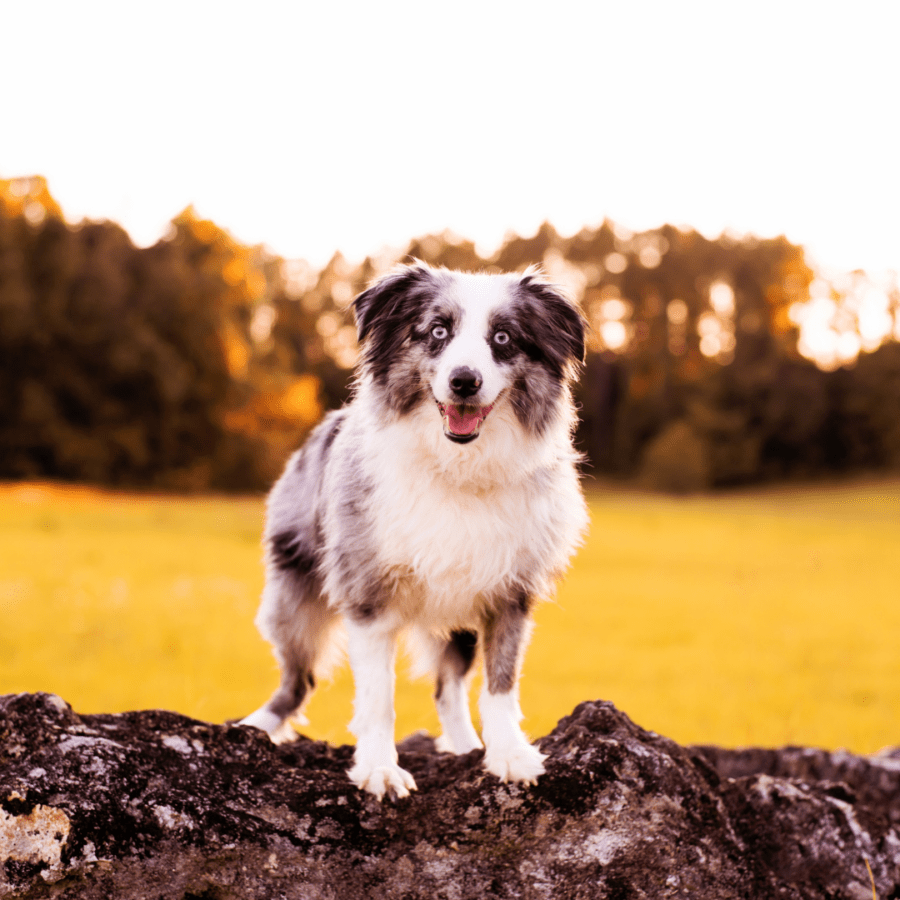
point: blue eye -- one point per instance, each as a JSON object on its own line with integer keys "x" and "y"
{"x": 439, "y": 333}
{"x": 501, "y": 338}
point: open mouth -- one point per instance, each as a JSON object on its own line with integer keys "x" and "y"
{"x": 462, "y": 423}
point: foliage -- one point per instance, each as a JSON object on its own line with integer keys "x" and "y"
{"x": 130, "y": 366}
{"x": 200, "y": 363}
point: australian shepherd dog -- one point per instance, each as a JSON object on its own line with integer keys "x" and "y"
{"x": 442, "y": 502}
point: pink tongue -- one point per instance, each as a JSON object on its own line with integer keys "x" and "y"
{"x": 464, "y": 421}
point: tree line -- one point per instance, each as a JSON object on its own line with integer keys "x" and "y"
{"x": 199, "y": 363}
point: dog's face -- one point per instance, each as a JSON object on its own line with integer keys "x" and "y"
{"x": 465, "y": 342}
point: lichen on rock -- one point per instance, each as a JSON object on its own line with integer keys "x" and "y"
{"x": 154, "y": 804}
{"x": 35, "y": 838}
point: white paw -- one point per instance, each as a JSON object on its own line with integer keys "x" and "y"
{"x": 265, "y": 721}
{"x": 278, "y": 729}
{"x": 444, "y": 745}
{"x": 381, "y": 780}
{"x": 286, "y": 733}
{"x": 519, "y": 762}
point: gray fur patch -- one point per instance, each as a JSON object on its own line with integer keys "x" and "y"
{"x": 457, "y": 658}
{"x": 293, "y": 535}
{"x": 288, "y": 552}
{"x": 351, "y": 551}
{"x": 296, "y": 683}
{"x": 505, "y": 632}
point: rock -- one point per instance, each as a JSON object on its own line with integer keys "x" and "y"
{"x": 156, "y": 805}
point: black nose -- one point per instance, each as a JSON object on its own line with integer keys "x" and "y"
{"x": 465, "y": 381}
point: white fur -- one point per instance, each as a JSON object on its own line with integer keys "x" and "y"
{"x": 508, "y": 755}
{"x": 478, "y": 296}
{"x": 460, "y": 529}
{"x": 372, "y": 656}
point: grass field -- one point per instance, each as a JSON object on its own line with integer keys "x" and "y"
{"x": 761, "y": 618}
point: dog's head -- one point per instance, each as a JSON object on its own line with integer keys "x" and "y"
{"x": 465, "y": 342}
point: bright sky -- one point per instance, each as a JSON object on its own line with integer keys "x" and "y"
{"x": 316, "y": 126}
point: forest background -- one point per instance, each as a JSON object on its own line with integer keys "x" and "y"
{"x": 198, "y": 363}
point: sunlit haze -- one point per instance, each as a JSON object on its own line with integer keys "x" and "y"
{"x": 350, "y": 126}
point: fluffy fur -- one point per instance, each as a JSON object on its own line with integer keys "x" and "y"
{"x": 442, "y": 502}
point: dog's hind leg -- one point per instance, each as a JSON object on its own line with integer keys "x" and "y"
{"x": 372, "y": 648}
{"x": 508, "y": 755}
{"x": 451, "y": 695}
{"x": 299, "y": 626}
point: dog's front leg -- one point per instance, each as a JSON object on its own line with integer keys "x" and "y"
{"x": 372, "y": 649}
{"x": 508, "y": 755}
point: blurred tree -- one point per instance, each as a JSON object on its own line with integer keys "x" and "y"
{"x": 200, "y": 362}
{"x": 120, "y": 376}
{"x": 271, "y": 398}
{"x": 16, "y": 324}
{"x": 313, "y": 330}
{"x": 865, "y": 423}
{"x": 446, "y": 250}
{"x": 28, "y": 197}
{"x": 516, "y": 252}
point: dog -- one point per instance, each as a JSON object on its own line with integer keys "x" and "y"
{"x": 442, "y": 502}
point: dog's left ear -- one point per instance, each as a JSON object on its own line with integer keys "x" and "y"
{"x": 565, "y": 325}
{"x": 384, "y": 305}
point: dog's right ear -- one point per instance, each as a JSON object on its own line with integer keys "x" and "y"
{"x": 384, "y": 306}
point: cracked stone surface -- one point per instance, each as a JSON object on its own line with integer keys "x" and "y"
{"x": 155, "y": 805}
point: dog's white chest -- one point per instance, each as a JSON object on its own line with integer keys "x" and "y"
{"x": 457, "y": 547}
